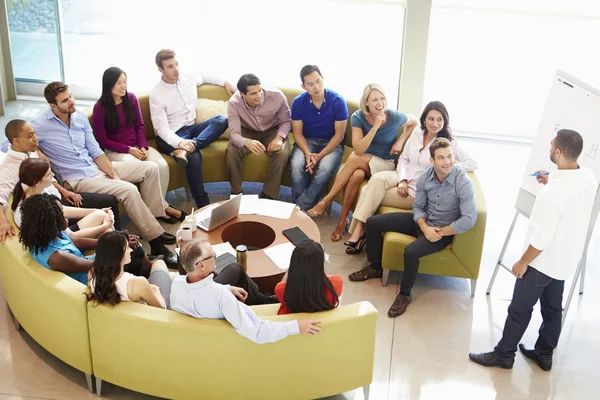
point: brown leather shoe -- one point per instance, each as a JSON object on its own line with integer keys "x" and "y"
{"x": 366, "y": 273}
{"x": 400, "y": 305}
{"x": 181, "y": 156}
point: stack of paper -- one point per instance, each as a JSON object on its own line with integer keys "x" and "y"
{"x": 249, "y": 204}
{"x": 222, "y": 248}
{"x": 281, "y": 254}
{"x": 276, "y": 209}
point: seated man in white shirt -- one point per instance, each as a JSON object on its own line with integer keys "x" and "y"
{"x": 556, "y": 236}
{"x": 173, "y": 113}
{"x": 198, "y": 295}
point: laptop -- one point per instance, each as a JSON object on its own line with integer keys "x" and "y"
{"x": 218, "y": 215}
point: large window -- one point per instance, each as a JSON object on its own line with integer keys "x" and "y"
{"x": 492, "y": 62}
{"x": 353, "y": 42}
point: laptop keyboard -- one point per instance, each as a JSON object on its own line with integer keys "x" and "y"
{"x": 205, "y": 222}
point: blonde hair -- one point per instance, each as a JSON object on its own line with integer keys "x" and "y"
{"x": 366, "y": 93}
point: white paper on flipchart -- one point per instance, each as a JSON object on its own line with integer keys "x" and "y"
{"x": 281, "y": 254}
{"x": 249, "y": 204}
{"x": 202, "y": 215}
{"x": 222, "y": 248}
{"x": 275, "y": 209}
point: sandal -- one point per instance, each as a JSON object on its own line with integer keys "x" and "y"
{"x": 314, "y": 214}
{"x": 336, "y": 237}
{"x": 359, "y": 244}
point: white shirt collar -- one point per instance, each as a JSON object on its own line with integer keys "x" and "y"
{"x": 17, "y": 154}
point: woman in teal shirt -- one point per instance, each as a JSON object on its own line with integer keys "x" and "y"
{"x": 375, "y": 141}
{"x": 42, "y": 233}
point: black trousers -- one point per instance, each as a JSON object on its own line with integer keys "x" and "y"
{"x": 96, "y": 200}
{"x": 234, "y": 275}
{"x": 401, "y": 222}
{"x": 533, "y": 286}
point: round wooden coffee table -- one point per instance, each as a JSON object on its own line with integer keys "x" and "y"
{"x": 258, "y": 233}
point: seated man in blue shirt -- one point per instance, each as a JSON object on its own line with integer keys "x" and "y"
{"x": 444, "y": 206}
{"x": 66, "y": 138}
{"x": 198, "y": 295}
{"x": 319, "y": 118}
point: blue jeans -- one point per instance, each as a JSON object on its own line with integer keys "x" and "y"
{"x": 203, "y": 134}
{"x": 306, "y": 193}
{"x": 533, "y": 286}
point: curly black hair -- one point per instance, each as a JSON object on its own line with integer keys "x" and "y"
{"x": 42, "y": 221}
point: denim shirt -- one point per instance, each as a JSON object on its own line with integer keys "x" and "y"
{"x": 451, "y": 202}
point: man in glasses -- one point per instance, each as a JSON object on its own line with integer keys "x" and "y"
{"x": 201, "y": 295}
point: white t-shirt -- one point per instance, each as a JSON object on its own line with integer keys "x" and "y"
{"x": 559, "y": 221}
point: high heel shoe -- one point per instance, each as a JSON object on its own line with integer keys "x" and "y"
{"x": 353, "y": 244}
{"x": 336, "y": 237}
{"x": 357, "y": 248}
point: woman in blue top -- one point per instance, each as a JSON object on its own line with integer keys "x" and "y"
{"x": 42, "y": 233}
{"x": 375, "y": 141}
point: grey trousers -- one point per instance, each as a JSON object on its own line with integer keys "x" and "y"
{"x": 278, "y": 160}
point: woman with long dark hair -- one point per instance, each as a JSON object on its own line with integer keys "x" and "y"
{"x": 42, "y": 234}
{"x": 375, "y": 141}
{"x": 110, "y": 283}
{"x": 306, "y": 288}
{"x": 119, "y": 128}
{"x": 35, "y": 176}
{"x": 397, "y": 188}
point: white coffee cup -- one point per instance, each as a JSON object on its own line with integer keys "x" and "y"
{"x": 184, "y": 233}
{"x": 191, "y": 221}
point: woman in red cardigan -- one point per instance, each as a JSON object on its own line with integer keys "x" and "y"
{"x": 306, "y": 288}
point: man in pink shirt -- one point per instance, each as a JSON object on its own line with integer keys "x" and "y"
{"x": 259, "y": 122}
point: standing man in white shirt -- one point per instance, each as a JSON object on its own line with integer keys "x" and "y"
{"x": 198, "y": 295}
{"x": 555, "y": 239}
{"x": 173, "y": 112}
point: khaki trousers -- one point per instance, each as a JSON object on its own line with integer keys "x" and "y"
{"x": 277, "y": 161}
{"x": 141, "y": 206}
{"x": 381, "y": 190}
{"x": 154, "y": 156}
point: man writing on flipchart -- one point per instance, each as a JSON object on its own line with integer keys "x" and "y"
{"x": 555, "y": 238}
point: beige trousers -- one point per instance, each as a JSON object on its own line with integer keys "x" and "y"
{"x": 381, "y": 190}
{"x": 154, "y": 156}
{"x": 278, "y": 160}
{"x": 141, "y": 206}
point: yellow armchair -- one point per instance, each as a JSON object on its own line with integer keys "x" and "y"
{"x": 461, "y": 259}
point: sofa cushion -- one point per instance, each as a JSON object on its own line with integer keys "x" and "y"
{"x": 207, "y": 108}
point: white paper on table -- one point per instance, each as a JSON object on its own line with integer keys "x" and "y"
{"x": 281, "y": 254}
{"x": 249, "y": 204}
{"x": 275, "y": 209}
{"x": 222, "y": 248}
{"x": 202, "y": 215}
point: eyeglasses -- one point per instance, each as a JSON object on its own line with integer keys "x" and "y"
{"x": 206, "y": 259}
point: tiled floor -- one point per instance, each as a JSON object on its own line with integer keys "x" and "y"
{"x": 420, "y": 355}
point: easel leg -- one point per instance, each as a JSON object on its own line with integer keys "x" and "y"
{"x": 510, "y": 231}
{"x": 571, "y": 291}
{"x": 583, "y": 267}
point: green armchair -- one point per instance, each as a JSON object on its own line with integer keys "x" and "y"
{"x": 461, "y": 259}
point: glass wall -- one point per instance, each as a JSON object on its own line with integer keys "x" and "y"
{"x": 492, "y": 62}
{"x": 230, "y": 38}
{"x": 34, "y": 38}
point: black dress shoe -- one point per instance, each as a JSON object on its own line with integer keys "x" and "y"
{"x": 546, "y": 365}
{"x": 490, "y": 360}
{"x": 271, "y": 299}
{"x": 168, "y": 219}
{"x": 162, "y": 250}
{"x": 166, "y": 238}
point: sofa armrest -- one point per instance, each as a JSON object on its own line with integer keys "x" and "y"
{"x": 468, "y": 246}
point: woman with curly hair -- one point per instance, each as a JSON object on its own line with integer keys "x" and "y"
{"x": 306, "y": 288}
{"x": 111, "y": 284}
{"x": 42, "y": 234}
{"x": 35, "y": 176}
